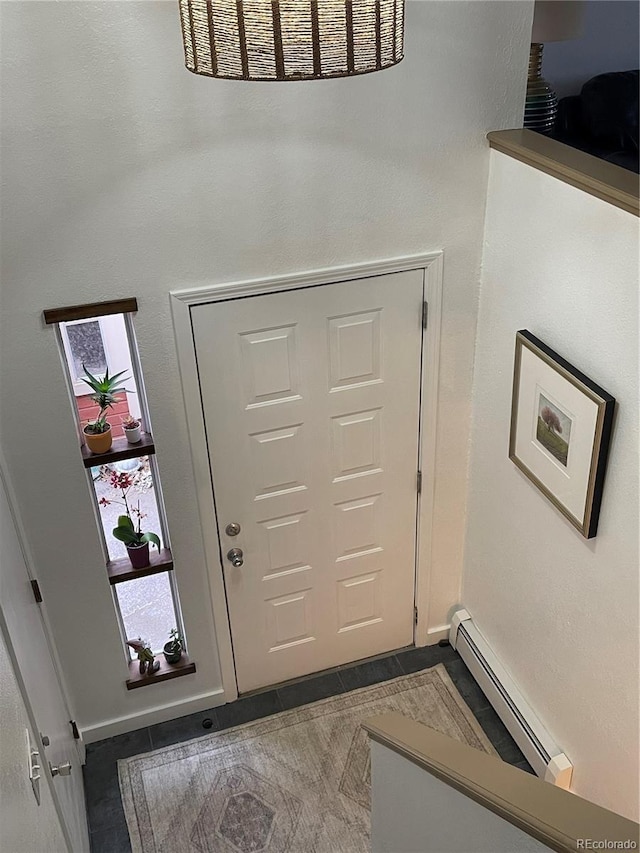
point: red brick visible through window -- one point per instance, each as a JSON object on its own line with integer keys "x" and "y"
{"x": 88, "y": 411}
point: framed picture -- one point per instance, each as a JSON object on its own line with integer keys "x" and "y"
{"x": 560, "y": 431}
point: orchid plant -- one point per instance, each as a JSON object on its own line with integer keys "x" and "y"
{"x": 128, "y": 531}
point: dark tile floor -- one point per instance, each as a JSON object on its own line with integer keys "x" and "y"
{"x": 106, "y": 816}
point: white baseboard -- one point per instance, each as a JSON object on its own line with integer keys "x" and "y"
{"x": 120, "y": 725}
{"x": 434, "y": 635}
{"x": 213, "y": 699}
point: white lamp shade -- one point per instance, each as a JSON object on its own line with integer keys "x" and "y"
{"x": 557, "y": 20}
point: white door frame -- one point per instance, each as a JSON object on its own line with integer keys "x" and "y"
{"x": 69, "y": 832}
{"x": 182, "y": 302}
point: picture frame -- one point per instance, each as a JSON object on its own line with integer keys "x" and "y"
{"x": 561, "y": 424}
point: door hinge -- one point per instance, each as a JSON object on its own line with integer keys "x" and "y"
{"x": 36, "y": 591}
{"x": 74, "y": 729}
{"x": 425, "y": 314}
{"x": 419, "y": 482}
{"x": 415, "y": 615}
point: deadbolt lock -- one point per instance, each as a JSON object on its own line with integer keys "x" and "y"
{"x": 232, "y": 529}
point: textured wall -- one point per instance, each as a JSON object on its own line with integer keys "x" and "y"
{"x": 561, "y": 612}
{"x": 25, "y": 827}
{"x": 124, "y": 174}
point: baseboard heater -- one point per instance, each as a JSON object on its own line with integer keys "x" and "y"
{"x": 544, "y": 756}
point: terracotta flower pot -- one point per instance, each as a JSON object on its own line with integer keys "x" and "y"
{"x": 98, "y": 442}
{"x": 133, "y": 434}
{"x": 139, "y": 555}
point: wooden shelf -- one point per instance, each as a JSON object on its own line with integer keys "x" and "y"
{"x": 89, "y": 310}
{"x": 120, "y": 449}
{"x": 165, "y": 673}
{"x": 121, "y": 570}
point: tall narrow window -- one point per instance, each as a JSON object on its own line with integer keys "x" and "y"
{"x": 105, "y": 382}
{"x": 136, "y": 476}
{"x": 98, "y": 344}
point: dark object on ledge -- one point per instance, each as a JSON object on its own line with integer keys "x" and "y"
{"x": 603, "y": 119}
{"x": 541, "y": 104}
{"x": 139, "y": 555}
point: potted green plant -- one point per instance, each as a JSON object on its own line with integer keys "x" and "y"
{"x": 127, "y": 531}
{"x": 173, "y": 649}
{"x": 97, "y": 433}
{"x": 132, "y": 429}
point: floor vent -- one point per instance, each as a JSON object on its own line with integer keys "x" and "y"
{"x": 546, "y": 758}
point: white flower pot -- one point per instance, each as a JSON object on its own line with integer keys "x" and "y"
{"x": 134, "y": 435}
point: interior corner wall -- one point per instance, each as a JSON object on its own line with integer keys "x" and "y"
{"x": 124, "y": 174}
{"x": 560, "y": 611}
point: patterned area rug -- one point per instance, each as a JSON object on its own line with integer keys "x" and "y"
{"x": 296, "y": 782}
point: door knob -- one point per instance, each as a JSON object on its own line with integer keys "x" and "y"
{"x": 61, "y": 769}
{"x": 235, "y": 557}
{"x": 232, "y": 529}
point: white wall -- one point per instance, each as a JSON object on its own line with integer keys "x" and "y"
{"x": 25, "y": 827}
{"x": 560, "y": 612}
{"x": 411, "y": 810}
{"x": 610, "y": 41}
{"x": 124, "y": 174}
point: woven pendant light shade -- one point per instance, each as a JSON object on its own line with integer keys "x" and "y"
{"x": 291, "y": 39}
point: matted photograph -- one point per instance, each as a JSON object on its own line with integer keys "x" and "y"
{"x": 553, "y": 429}
{"x": 560, "y": 431}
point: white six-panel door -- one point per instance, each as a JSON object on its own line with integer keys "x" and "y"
{"x": 311, "y": 402}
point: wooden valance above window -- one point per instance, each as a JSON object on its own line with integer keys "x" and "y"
{"x": 90, "y": 309}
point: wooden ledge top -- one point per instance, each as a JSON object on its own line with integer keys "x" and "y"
{"x": 597, "y": 177}
{"x": 554, "y": 816}
{"x": 166, "y": 672}
{"x": 121, "y": 570}
{"x": 120, "y": 449}
{"x": 90, "y": 310}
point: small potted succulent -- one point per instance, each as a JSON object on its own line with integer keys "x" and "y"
{"x": 127, "y": 531}
{"x": 132, "y": 429}
{"x": 97, "y": 433}
{"x": 173, "y": 649}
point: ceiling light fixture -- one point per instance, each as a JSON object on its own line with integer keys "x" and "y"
{"x": 291, "y": 39}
